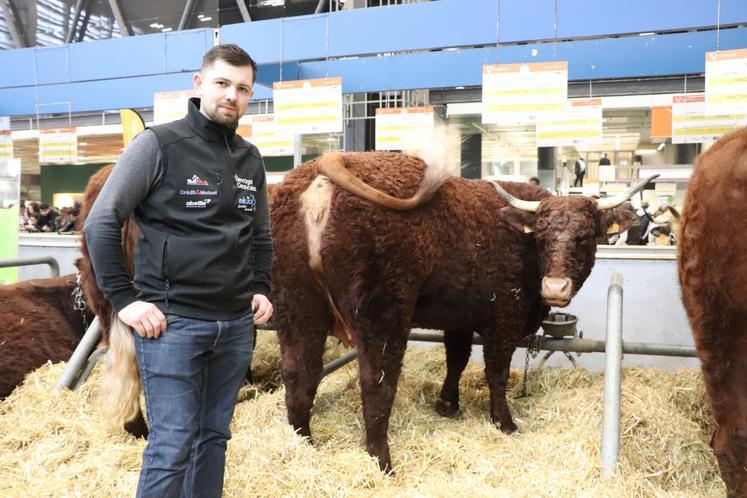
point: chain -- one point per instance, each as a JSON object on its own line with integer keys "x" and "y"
{"x": 79, "y": 302}
{"x": 534, "y": 342}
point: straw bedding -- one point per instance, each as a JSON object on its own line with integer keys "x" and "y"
{"x": 57, "y": 444}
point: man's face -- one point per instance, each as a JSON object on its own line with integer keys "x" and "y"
{"x": 225, "y": 91}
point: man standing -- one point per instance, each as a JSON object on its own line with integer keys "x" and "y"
{"x": 202, "y": 270}
{"x": 580, "y": 171}
{"x": 604, "y": 161}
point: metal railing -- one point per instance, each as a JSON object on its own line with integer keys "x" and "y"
{"x": 54, "y": 266}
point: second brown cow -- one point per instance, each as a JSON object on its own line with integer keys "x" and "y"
{"x": 460, "y": 255}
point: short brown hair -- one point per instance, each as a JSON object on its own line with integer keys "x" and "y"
{"x": 231, "y": 54}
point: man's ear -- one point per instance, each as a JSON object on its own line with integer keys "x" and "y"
{"x": 522, "y": 221}
{"x": 197, "y": 81}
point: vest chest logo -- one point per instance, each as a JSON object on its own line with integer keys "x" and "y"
{"x": 196, "y": 180}
{"x": 247, "y": 203}
{"x": 197, "y": 204}
{"x": 245, "y": 184}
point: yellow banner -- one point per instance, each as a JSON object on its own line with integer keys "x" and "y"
{"x": 132, "y": 124}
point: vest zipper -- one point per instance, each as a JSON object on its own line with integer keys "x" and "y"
{"x": 228, "y": 147}
{"x": 167, "y": 285}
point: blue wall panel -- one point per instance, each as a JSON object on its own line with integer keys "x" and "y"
{"x": 417, "y": 26}
{"x": 261, "y": 39}
{"x": 184, "y": 49}
{"x": 533, "y": 20}
{"x": 51, "y": 65}
{"x": 16, "y": 67}
{"x": 108, "y": 74}
{"x": 663, "y": 55}
{"x": 17, "y": 101}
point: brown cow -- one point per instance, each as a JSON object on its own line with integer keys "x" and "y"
{"x": 39, "y": 324}
{"x": 113, "y": 391}
{"x": 712, "y": 268}
{"x": 456, "y": 257}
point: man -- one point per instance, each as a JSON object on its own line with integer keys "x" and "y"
{"x": 580, "y": 171}
{"x": 47, "y": 221}
{"x": 202, "y": 272}
{"x": 604, "y": 161}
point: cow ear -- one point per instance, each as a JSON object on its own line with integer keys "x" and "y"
{"x": 517, "y": 219}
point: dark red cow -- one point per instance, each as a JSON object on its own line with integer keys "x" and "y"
{"x": 369, "y": 245}
{"x": 38, "y": 325}
{"x": 120, "y": 390}
{"x": 712, "y": 267}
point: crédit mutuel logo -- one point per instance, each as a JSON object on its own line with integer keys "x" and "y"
{"x": 196, "y": 180}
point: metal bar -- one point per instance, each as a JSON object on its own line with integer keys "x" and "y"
{"x": 320, "y": 6}
{"x": 84, "y": 25}
{"x": 612, "y": 378}
{"x": 581, "y": 345}
{"x": 186, "y": 15}
{"x": 88, "y": 367}
{"x": 117, "y": 12}
{"x": 11, "y": 20}
{"x": 80, "y": 355}
{"x": 244, "y": 11}
{"x": 54, "y": 267}
{"x": 74, "y": 24}
{"x": 339, "y": 362}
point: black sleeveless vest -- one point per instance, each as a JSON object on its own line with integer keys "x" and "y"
{"x": 198, "y": 221}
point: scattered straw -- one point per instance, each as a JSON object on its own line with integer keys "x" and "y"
{"x": 56, "y": 444}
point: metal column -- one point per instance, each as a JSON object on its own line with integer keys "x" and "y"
{"x": 612, "y": 378}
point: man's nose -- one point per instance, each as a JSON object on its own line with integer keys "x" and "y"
{"x": 231, "y": 93}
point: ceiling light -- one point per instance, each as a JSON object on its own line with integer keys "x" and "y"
{"x": 661, "y": 146}
{"x": 166, "y": 30}
{"x": 205, "y": 19}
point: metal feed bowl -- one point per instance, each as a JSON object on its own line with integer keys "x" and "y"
{"x": 558, "y": 324}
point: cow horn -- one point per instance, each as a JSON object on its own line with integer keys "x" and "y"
{"x": 614, "y": 201}
{"x": 530, "y": 206}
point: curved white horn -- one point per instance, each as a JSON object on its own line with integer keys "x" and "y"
{"x": 614, "y": 201}
{"x": 530, "y": 206}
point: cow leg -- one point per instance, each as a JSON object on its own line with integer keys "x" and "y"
{"x": 724, "y": 375}
{"x": 301, "y": 349}
{"x": 380, "y": 363}
{"x": 458, "y": 345}
{"x": 498, "y": 352}
{"x": 137, "y": 426}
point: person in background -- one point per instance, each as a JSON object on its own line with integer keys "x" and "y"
{"x": 580, "y": 171}
{"x": 604, "y": 161}
{"x": 534, "y": 181}
{"x": 47, "y": 222}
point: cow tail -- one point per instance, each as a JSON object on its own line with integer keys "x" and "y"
{"x": 120, "y": 386}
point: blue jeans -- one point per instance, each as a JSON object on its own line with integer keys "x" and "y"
{"x": 191, "y": 375}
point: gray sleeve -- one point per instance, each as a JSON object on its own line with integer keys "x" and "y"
{"x": 131, "y": 180}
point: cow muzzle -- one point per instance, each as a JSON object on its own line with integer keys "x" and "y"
{"x": 557, "y": 291}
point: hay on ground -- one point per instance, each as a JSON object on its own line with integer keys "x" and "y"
{"x": 57, "y": 444}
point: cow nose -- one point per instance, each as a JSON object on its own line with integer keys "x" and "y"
{"x": 557, "y": 291}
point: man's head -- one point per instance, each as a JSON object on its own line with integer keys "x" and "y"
{"x": 224, "y": 84}
{"x": 44, "y": 208}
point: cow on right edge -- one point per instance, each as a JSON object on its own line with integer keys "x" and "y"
{"x": 370, "y": 245}
{"x": 712, "y": 265}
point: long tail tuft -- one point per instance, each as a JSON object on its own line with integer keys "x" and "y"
{"x": 120, "y": 386}
{"x": 440, "y": 151}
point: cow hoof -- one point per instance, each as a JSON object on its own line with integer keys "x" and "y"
{"x": 448, "y": 409}
{"x": 508, "y": 427}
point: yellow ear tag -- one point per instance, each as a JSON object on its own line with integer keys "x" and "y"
{"x": 613, "y": 228}
{"x": 527, "y": 229}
